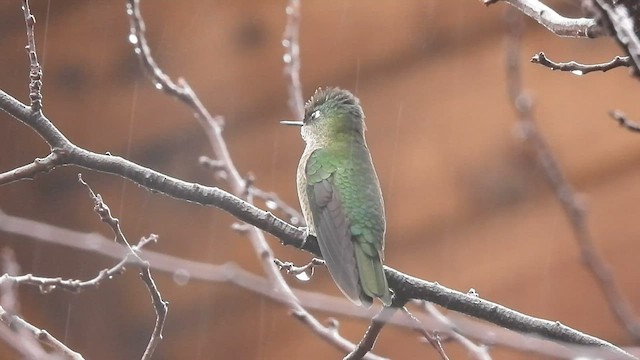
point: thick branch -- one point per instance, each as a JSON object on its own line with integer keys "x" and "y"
{"x": 622, "y": 23}
{"x": 560, "y": 185}
{"x": 404, "y": 286}
{"x": 554, "y": 22}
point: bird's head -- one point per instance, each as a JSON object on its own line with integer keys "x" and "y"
{"x": 329, "y": 114}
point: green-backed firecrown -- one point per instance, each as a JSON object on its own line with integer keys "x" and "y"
{"x": 340, "y": 195}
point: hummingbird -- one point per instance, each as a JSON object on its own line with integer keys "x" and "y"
{"x": 340, "y": 195}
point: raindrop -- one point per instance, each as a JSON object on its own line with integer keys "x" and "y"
{"x": 129, "y": 10}
{"x": 286, "y": 43}
{"x": 271, "y": 205}
{"x": 286, "y": 58}
{"x": 289, "y": 10}
{"x": 294, "y": 220}
{"x": 133, "y": 38}
{"x": 181, "y": 277}
{"x": 305, "y": 275}
{"x": 577, "y": 72}
{"x": 158, "y": 85}
{"x": 45, "y": 289}
{"x": 137, "y": 50}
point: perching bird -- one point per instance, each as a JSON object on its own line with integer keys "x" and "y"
{"x": 340, "y": 195}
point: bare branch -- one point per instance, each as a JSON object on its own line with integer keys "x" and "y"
{"x": 624, "y": 121}
{"x": 292, "y": 58}
{"x": 369, "y": 339}
{"x": 300, "y": 272}
{"x": 160, "y": 306}
{"x": 432, "y": 339}
{"x": 231, "y": 273}
{"x": 273, "y": 202}
{"x": 405, "y": 286}
{"x": 479, "y": 352}
{"x": 35, "y": 73}
{"x": 29, "y": 171}
{"x": 25, "y": 344}
{"x": 554, "y": 22}
{"x": 46, "y": 285}
{"x": 623, "y": 24}
{"x": 563, "y": 191}
{"x": 240, "y": 187}
{"x": 16, "y": 323}
{"x": 580, "y": 69}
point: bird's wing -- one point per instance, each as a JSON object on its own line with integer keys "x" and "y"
{"x": 332, "y": 223}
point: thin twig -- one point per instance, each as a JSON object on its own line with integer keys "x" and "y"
{"x": 478, "y": 351}
{"x": 213, "y": 128}
{"x": 174, "y": 266}
{"x": 46, "y": 285}
{"x": 554, "y": 22}
{"x": 623, "y": 25}
{"x": 561, "y": 187}
{"x": 291, "y": 58}
{"x": 403, "y": 285}
{"x": 578, "y": 68}
{"x": 160, "y": 306}
{"x": 273, "y": 202}
{"x": 432, "y": 339}
{"x": 35, "y": 72}
{"x": 298, "y": 271}
{"x": 371, "y": 335}
{"x": 624, "y": 121}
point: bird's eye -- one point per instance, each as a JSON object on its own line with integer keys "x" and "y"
{"x": 315, "y": 115}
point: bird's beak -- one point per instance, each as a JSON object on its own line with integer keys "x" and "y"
{"x": 291, "y": 122}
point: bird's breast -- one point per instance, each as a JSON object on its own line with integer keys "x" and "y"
{"x": 301, "y": 180}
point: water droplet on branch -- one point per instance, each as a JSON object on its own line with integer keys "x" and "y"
{"x": 181, "y": 277}
{"x": 305, "y": 275}
{"x": 133, "y": 38}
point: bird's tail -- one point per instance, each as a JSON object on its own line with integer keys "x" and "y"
{"x": 371, "y": 273}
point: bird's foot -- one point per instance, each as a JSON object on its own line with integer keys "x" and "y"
{"x": 307, "y": 233}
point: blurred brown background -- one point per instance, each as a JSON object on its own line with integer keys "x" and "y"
{"x": 466, "y": 204}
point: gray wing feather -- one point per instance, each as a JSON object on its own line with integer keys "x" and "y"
{"x": 334, "y": 237}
